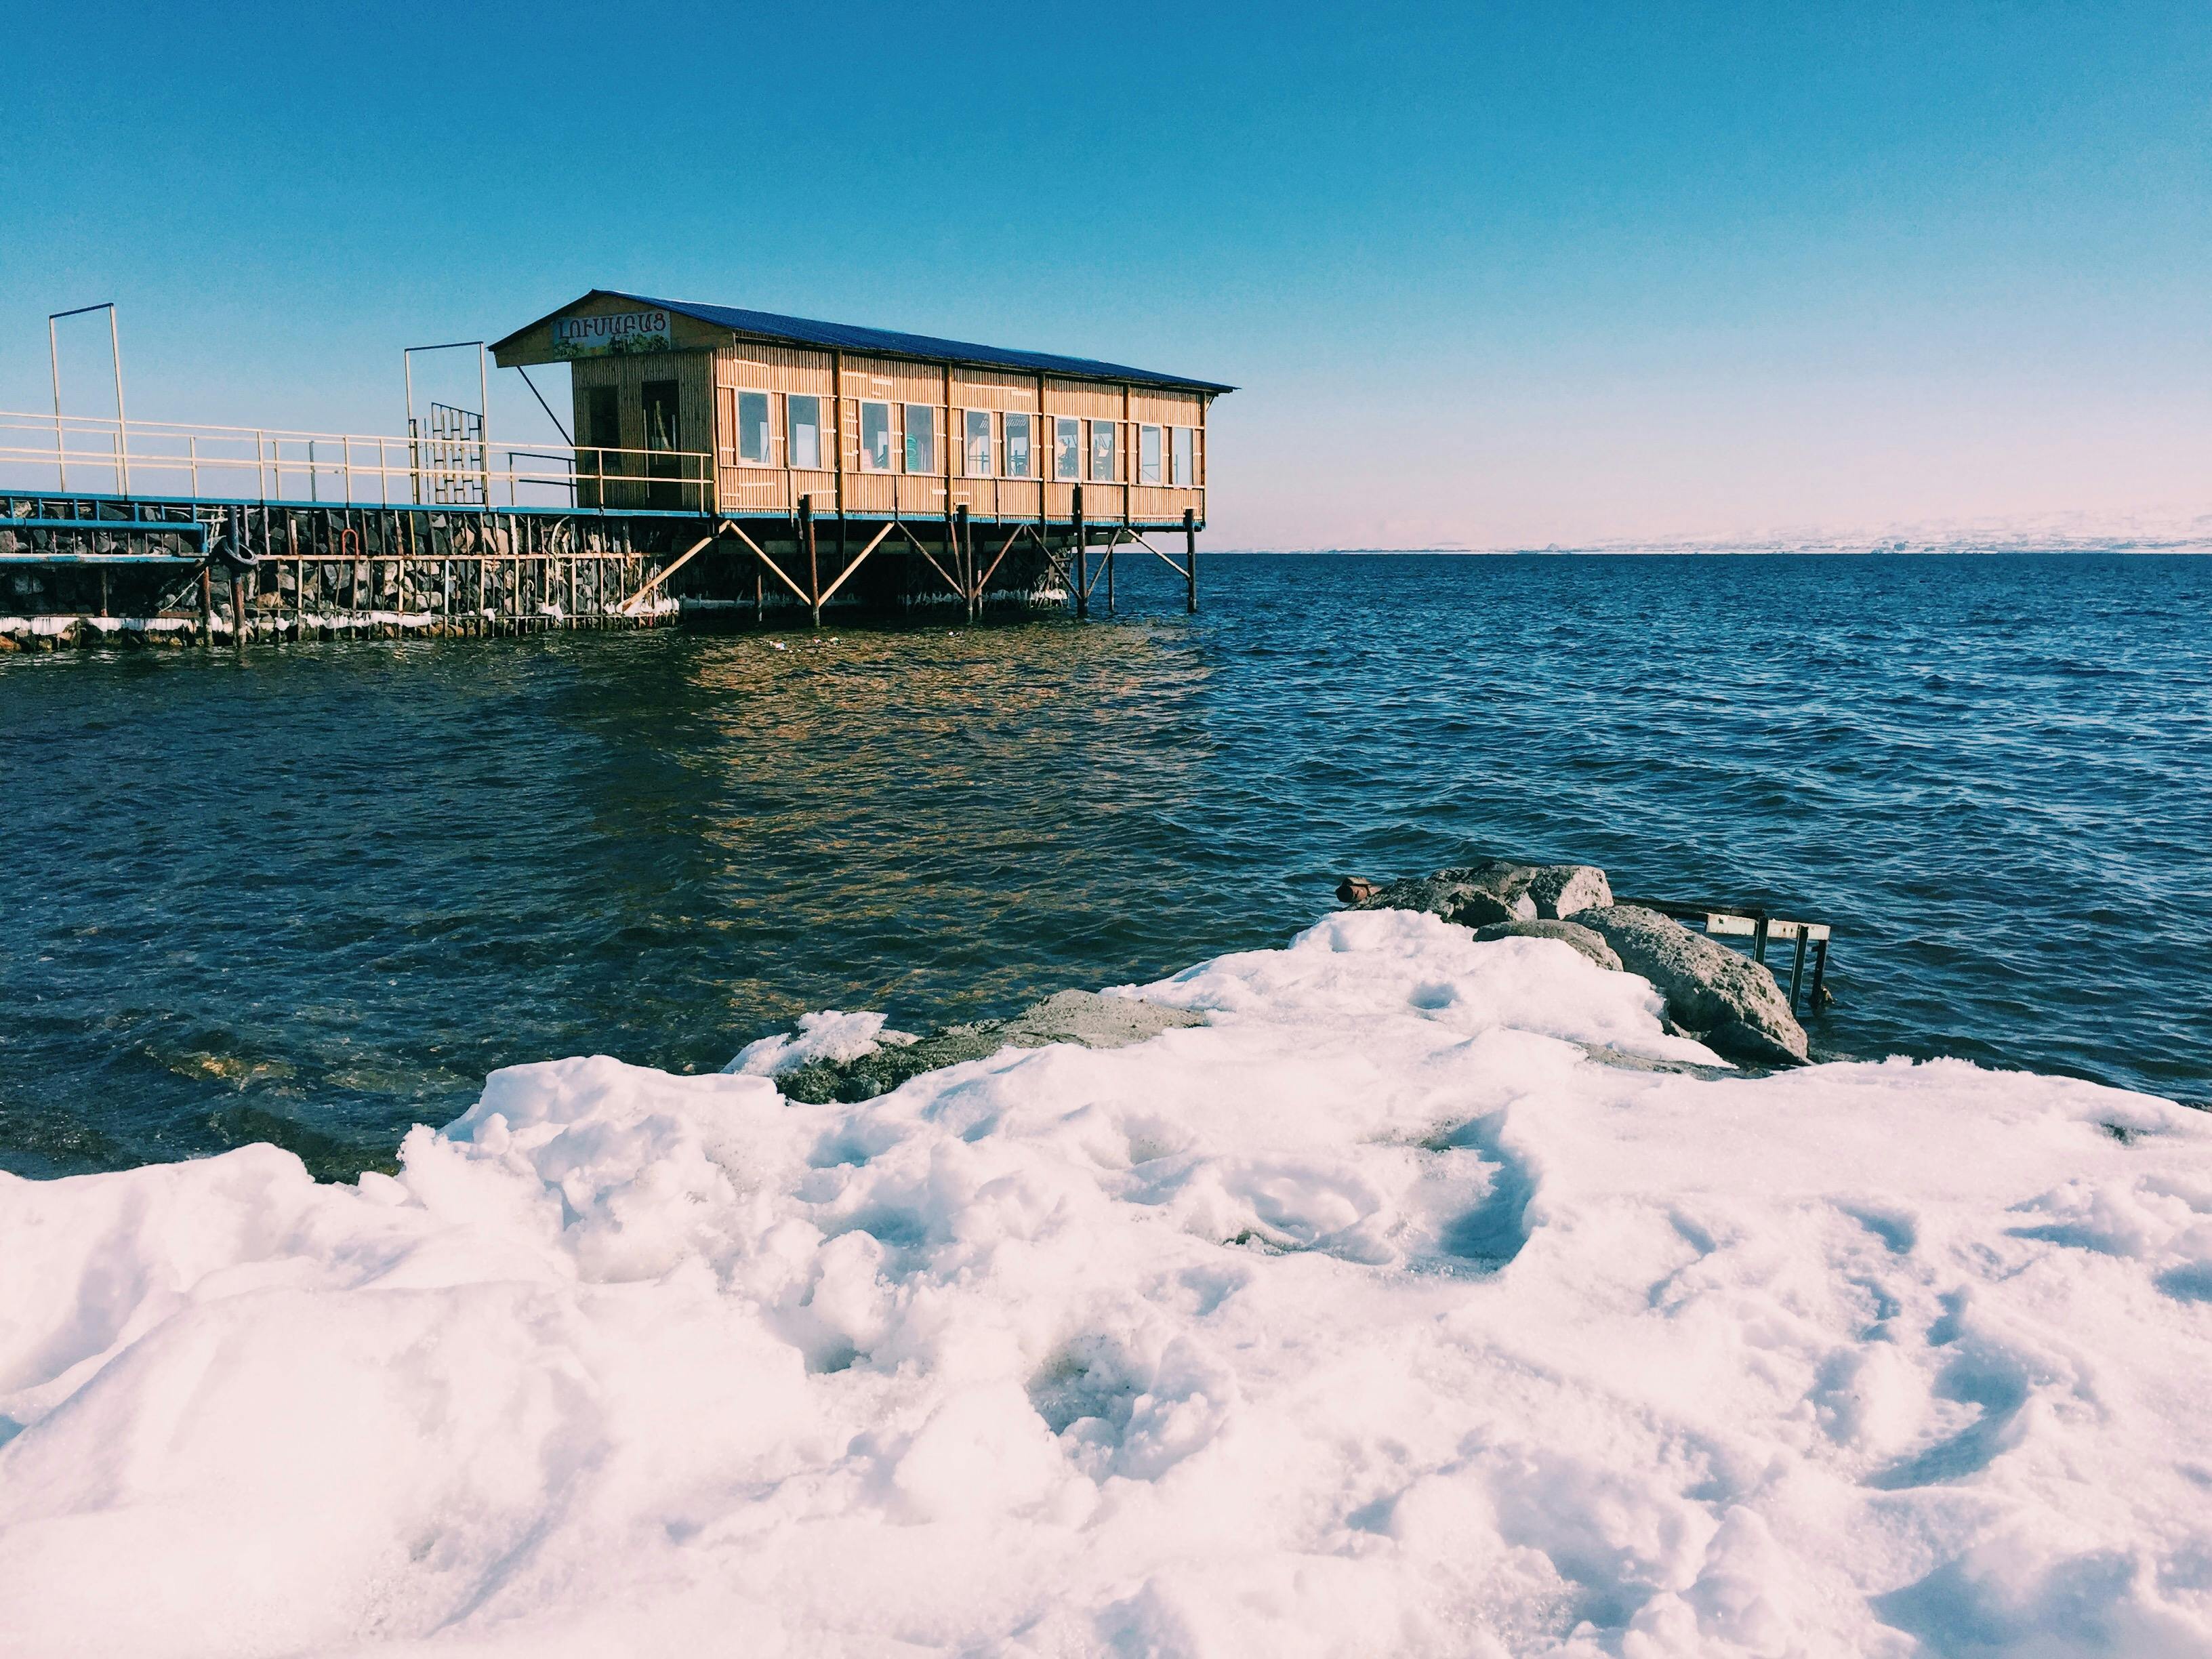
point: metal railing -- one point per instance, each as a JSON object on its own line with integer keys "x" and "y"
{"x": 85, "y": 454}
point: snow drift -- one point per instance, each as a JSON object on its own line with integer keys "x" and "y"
{"x": 1401, "y": 1308}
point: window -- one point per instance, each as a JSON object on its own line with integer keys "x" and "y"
{"x": 1185, "y": 475}
{"x": 975, "y": 461}
{"x": 806, "y": 416}
{"x": 752, "y": 428}
{"x": 603, "y": 413}
{"x": 1148, "y": 454}
{"x": 1101, "y": 452}
{"x": 875, "y": 437}
{"x": 921, "y": 438}
{"x": 663, "y": 422}
{"x": 1067, "y": 449}
{"x": 1018, "y": 446}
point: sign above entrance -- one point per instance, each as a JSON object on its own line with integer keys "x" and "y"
{"x": 618, "y": 334}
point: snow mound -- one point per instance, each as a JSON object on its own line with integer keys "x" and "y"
{"x": 1373, "y": 1315}
{"x": 830, "y": 1035}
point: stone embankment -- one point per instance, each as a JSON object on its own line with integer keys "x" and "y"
{"x": 1726, "y": 1001}
{"x": 1712, "y": 993}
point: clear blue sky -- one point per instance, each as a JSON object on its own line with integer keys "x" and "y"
{"x": 1488, "y": 275}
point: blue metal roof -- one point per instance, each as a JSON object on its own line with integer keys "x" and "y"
{"x": 845, "y": 336}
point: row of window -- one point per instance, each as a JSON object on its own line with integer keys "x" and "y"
{"x": 991, "y": 444}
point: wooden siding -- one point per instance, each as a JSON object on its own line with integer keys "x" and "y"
{"x": 708, "y": 420}
{"x": 629, "y": 374}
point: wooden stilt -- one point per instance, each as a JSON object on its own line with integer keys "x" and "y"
{"x": 1190, "y": 557}
{"x": 207, "y": 606}
{"x": 1082, "y": 574}
{"x": 1112, "y": 542}
{"x": 813, "y": 565}
{"x": 963, "y": 556}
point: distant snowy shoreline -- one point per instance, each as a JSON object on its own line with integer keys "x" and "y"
{"x": 1418, "y": 1301}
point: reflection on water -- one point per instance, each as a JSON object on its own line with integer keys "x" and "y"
{"x": 316, "y": 893}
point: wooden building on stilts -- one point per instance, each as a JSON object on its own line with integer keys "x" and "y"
{"x": 715, "y": 462}
{"x": 871, "y": 467}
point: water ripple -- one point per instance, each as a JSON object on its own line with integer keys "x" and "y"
{"x": 329, "y": 887}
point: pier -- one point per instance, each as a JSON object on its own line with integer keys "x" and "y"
{"x": 716, "y": 464}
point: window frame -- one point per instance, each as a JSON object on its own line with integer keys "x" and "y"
{"x": 906, "y": 442}
{"x": 1007, "y": 444}
{"x": 1060, "y": 425}
{"x": 967, "y": 443}
{"x": 1158, "y": 462}
{"x": 1113, "y": 474}
{"x": 768, "y": 424}
{"x": 790, "y": 428}
{"x": 1183, "y": 457}
{"x": 890, "y": 436}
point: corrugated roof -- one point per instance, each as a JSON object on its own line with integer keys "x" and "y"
{"x": 848, "y": 337}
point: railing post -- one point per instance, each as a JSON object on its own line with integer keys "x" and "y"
{"x": 122, "y": 420}
{"x": 61, "y": 449}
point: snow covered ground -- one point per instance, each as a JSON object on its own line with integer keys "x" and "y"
{"x": 1374, "y": 1316}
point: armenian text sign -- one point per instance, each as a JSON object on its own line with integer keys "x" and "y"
{"x": 622, "y": 332}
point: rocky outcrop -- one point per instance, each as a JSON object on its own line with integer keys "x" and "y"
{"x": 1564, "y": 890}
{"x": 1726, "y": 1001}
{"x": 1591, "y": 945}
{"x": 1079, "y": 1017}
{"x": 1483, "y": 894}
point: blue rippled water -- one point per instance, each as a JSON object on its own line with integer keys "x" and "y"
{"x": 315, "y": 893}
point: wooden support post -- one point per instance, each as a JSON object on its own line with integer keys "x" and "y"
{"x": 237, "y": 611}
{"x": 207, "y": 604}
{"x": 1820, "y": 997}
{"x": 1112, "y": 542}
{"x": 1082, "y": 575}
{"x": 813, "y": 564}
{"x": 1190, "y": 556}
{"x": 963, "y": 556}
{"x": 1797, "y": 968}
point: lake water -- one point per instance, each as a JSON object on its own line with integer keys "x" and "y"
{"x": 315, "y": 893}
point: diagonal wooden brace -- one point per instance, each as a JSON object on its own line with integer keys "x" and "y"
{"x": 926, "y": 554}
{"x": 856, "y": 565}
{"x": 798, "y": 592}
{"x": 1175, "y": 565}
{"x": 985, "y": 582}
{"x": 627, "y": 606}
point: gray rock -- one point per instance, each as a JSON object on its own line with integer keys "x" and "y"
{"x": 1561, "y": 890}
{"x": 1567, "y": 932}
{"x": 1495, "y": 890}
{"x": 1474, "y": 896}
{"x": 1725, "y": 1000}
{"x": 1079, "y": 1016}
